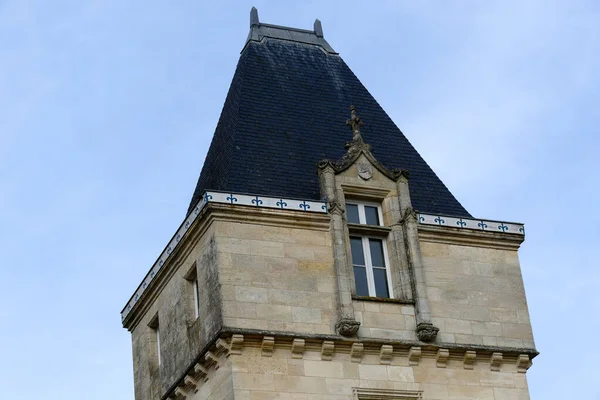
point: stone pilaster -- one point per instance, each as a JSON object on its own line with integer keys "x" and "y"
{"x": 401, "y": 278}
{"x": 426, "y": 332}
{"x": 347, "y": 324}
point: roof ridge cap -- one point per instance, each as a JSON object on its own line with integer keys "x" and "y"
{"x": 259, "y": 30}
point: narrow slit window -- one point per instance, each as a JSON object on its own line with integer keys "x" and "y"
{"x": 196, "y": 297}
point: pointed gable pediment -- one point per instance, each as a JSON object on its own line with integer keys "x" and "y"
{"x": 359, "y": 156}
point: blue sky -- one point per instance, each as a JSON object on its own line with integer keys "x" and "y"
{"x": 107, "y": 109}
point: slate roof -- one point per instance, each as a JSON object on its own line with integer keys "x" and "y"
{"x": 286, "y": 110}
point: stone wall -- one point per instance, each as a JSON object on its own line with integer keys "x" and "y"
{"x": 276, "y": 277}
{"x": 476, "y": 295}
{"x": 261, "y": 273}
{"x": 182, "y": 336}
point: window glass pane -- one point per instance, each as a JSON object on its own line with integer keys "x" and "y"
{"x": 381, "y": 286}
{"x": 376, "y": 247}
{"x": 358, "y": 257}
{"x": 352, "y": 213}
{"x": 372, "y": 215}
{"x": 360, "y": 277}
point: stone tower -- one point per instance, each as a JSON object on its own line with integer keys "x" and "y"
{"x": 321, "y": 257}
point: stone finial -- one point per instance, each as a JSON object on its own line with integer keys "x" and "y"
{"x": 426, "y": 332}
{"x": 268, "y": 343}
{"x": 298, "y": 346}
{"x": 318, "y": 28}
{"x": 237, "y": 341}
{"x": 356, "y": 352}
{"x": 254, "y": 17}
{"x": 347, "y": 327}
{"x": 414, "y": 355}
{"x": 327, "y": 350}
{"x": 385, "y": 354}
{"x": 523, "y": 363}
{"x": 469, "y": 359}
{"x": 355, "y": 123}
{"x": 496, "y": 361}
{"x": 441, "y": 359}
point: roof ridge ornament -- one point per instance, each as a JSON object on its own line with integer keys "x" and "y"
{"x": 355, "y": 148}
{"x": 355, "y": 123}
{"x": 254, "y": 17}
{"x": 318, "y": 28}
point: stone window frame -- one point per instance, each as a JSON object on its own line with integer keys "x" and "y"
{"x": 192, "y": 292}
{"x": 399, "y": 283}
{"x": 365, "y": 232}
{"x": 155, "y": 338}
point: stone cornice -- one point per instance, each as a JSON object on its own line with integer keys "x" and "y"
{"x": 465, "y": 237}
{"x": 233, "y": 342}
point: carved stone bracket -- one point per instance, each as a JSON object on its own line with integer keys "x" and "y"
{"x": 298, "y": 346}
{"x": 426, "y": 332}
{"x": 201, "y": 372}
{"x": 347, "y": 327}
{"x": 441, "y": 359}
{"x": 327, "y": 350}
{"x": 523, "y": 363}
{"x": 180, "y": 393}
{"x": 356, "y": 352}
{"x": 469, "y": 359}
{"x": 268, "y": 343}
{"x": 237, "y": 342}
{"x": 211, "y": 359}
{"x": 190, "y": 382}
{"x": 496, "y": 361}
{"x": 385, "y": 354}
{"x": 414, "y": 355}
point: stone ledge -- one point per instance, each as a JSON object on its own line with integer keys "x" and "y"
{"x": 382, "y": 300}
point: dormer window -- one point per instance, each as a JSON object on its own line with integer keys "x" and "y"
{"x": 369, "y": 251}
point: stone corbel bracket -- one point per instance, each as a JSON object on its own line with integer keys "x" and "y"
{"x": 385, "y": 354}
{"x": 356, "y": 352}
{"x": 327, "y": 350}
{"x": 236, "y": 344}
{"x": 414, "y": 355}
{"x": 441, "y": 359}
{"x": 469, "y": 359}
{"x": 268, "y": 344}
{"x": 523, "y": 363}
{"x": 298, "y": 346}
{"x": 496, "y": 361}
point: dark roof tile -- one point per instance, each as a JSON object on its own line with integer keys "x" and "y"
{"x": 286, "y": 109}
